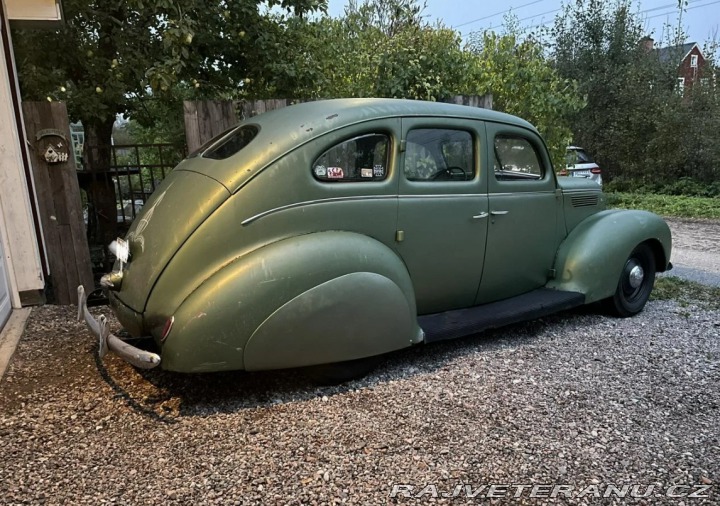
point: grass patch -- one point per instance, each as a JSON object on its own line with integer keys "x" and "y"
{"x": 685, "y": 292}
{"x": 667, "y": 205}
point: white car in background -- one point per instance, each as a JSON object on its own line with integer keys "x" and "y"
{"x": 579, "y": 164}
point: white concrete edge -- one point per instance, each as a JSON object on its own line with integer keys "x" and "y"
{"x": 10, "y": 336}
{"x": 13, "y": 291}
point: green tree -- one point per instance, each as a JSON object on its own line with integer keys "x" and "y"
{"x": 599, "y": 46}
{"x": 424, "y": 63}
{"x": 386, "y": 48}
{"x": 639, "y": 126}
{"x": 523, "y": 82}
{"x": 683, "y": 152}
{"x": 377, "y": 48}
{"x": 111, "y": 57}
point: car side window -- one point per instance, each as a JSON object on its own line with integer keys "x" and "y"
{"x": 363, "y": 158}
{"x": 516, "y": 159}
{"x": 434, "y": 154}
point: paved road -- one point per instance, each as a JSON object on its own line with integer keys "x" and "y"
{"x": 696, "y": 250}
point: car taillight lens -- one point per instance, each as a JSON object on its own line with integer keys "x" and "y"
{"x": 167, "y": 328}
{"x": 563, "y": 173}
{"x": 595, "y": 171}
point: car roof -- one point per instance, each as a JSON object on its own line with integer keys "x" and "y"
{"x": 352, "y": 110}
{"x": 285, "y": 129}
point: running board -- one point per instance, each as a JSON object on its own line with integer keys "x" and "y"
{"x": 528, "y": 306}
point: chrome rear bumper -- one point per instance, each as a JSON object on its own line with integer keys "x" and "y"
{"x": 100, "y": 329}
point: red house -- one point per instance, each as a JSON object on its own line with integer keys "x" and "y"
{"x": 691, "y": 63}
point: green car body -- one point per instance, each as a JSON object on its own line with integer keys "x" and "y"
{"x": 330, "y": 231}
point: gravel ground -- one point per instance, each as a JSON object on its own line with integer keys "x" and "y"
{"x": 696, "y": 250}
{"x": 576, "y": 399}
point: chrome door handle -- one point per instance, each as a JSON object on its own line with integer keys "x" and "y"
{"x": 498, "y": 213}
{"x": 480, "y": 216}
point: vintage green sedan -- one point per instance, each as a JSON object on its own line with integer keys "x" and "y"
{"x": 334, "y": 231}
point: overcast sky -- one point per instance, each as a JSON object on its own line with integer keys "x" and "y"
{"x": 700, "y": 20}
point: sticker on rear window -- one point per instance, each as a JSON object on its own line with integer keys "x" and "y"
{"x": 335, "y": 173}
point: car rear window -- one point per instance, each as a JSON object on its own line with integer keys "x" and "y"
{"x": 233, "y": 143}
{"x": 583, "y": 157}
{"x": 574, "y": 156}
{"x": 363, "y": 158}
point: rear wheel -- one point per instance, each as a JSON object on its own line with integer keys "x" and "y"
{"x": 635, "y": 284}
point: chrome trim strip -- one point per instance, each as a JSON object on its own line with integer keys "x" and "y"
{"x": 521, "y": 193}
{"x": 583, "y": 192}
{"x": 354, "y": 198}
{"x": 294, "y": 205}
{"x": 443, "y": 195}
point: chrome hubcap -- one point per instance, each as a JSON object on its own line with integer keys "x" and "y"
{"x": 636, "y": 276}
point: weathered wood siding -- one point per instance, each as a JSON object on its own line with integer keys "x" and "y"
{"x": 58, "y": 196}
{"x": 206, "y": 119}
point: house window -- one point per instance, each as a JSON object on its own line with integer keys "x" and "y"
{"x": 693, "y": 61}
{"x": 681, "y": 85}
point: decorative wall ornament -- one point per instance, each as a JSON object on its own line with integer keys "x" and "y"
{"x": 56, "y": 153}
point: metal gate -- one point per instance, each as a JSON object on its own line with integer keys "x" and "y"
{"x": 135, "y": 170}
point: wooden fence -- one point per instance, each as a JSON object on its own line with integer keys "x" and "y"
{"x": 58, "y": 197}
{"x": 207, "y": 119}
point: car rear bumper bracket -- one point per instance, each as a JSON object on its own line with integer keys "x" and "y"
{"x": 108, "y": 341}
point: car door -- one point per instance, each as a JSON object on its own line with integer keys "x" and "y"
{"x": 524, "y": 207}
{"x": 442, "y": 211}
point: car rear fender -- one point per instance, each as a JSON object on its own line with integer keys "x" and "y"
{"x": 592, "y": 256}
{"x": 311, "y": 299}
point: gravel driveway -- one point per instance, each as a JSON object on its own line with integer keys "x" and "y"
{"x": 696, "y": 250}
{"x": 576, "y": 400}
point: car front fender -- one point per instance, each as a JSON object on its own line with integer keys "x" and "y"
{"x": 592, "y": 256}
{"x": 310, "y": 299}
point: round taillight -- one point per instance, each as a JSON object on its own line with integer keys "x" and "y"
{"x": 167, "y": 328}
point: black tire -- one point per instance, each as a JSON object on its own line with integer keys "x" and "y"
{"x": 636, "y": 282}
{"x": 341, "y": 372}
